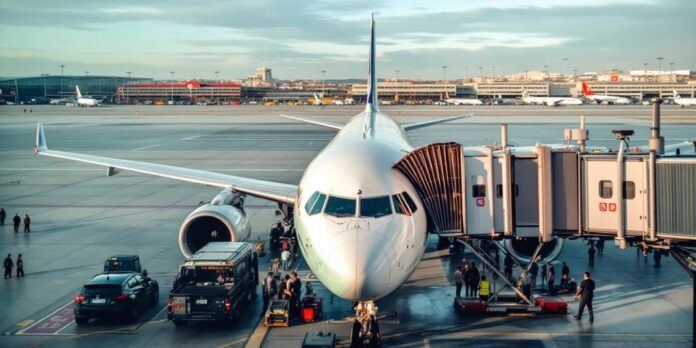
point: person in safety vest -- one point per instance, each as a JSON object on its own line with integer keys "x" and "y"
{"x": 484, "y": 289}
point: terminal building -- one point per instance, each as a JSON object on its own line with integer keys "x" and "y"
{"x": 177, "y": 92}
{"x": 408, "y": 90}
{"x": 41, "y": 89}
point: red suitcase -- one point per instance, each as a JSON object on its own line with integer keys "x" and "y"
{"x": 311, "y": 309}
{"x": 551, "y": 305}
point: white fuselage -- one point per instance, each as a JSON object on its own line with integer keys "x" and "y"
{"x": 356, "y": 257}
{"x": 87, "y": 102}
{"x": 608, "y": 99}
{"x": 551, "y": 101}
{"x": 685, "y": 101}
{"x": 463, "y": 101}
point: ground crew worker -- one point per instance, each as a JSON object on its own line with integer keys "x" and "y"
{"x": 284, "y": 259}
{"x": 467, "y": 280}
{"x": 296, "y": 293}
{"x": 27, "y": 222}
{"x": 475, "y": 279}
{"x": 508, "y": 266}
{"x": 586, "y": 289}
{"x": 657, "y": 255}
{"x": 269, "y": 290}
{"x": 525, "y": 285}
{"x": 551, "y": 275}
{"x": 8, "y": 264}
{"x": 484, "y": 289}
{"x": 20, "y": 266}
{"x": 2, "y": 216}
{"x": 565, "y": 271}
{"x": 591, "y": 253}
{"x": 281, "y": 287}
{"x": 458, "y": 281}
{"x": 15, "y": 221}
{"x": 600, "y": 246}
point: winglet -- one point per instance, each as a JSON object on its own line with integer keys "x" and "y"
{"x": 372, "y": 99}
{"x": 40, "y": 143}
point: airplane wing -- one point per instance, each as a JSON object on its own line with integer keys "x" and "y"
{"x": 325, "y": 124}
{"x": 411, "y": 126}
{"x": 278, "y": 192}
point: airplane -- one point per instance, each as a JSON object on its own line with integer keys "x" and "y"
{"x": 683, "y": 102}
{"x": 361, "y": 225}
{"x": 82, "y": 101}
{"x": 461, "y": 101}
{"x": 609, "y": 99}
{"x": 549, "y": 101}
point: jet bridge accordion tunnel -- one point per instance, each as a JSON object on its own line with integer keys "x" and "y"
{"x": 543, "y": 192}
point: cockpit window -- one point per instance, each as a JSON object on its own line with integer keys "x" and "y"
{"x": 315, "y": 203}
{"x": 340, "y": 207}
{"x": 375, "y": 207}
{"x": 411, "y": 204}
{"x": 399, "y": 207}
{"x": 316, "y": 209}
{"x": 310, "y": 202}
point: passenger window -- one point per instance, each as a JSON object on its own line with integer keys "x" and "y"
{"x": 411, "y": 204}
{"x": 375, "y": 207}
{"x": 310, "y": 202}
{"x": 340, "y": 207}
{"x": 316, "y": 209}
{"x": 479, "y": 191}
{"x": 606, "y": 189}
{"x": 629, "y": 190}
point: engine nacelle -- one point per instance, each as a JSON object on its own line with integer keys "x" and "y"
{"x": 523, "y": 248}
{"x": 212, "y": 223}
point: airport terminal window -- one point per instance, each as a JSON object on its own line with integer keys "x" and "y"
{"x": 629, "y": 190}
{"x": 340, "y": 207}
{"x": 410, "y": 202}
{"x": 606, "y": 189}
{"x": 375, "y": 207}
{"x": 478, "y": 191}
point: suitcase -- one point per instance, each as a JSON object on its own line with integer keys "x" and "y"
{"x": 311, "y": 310}
{"x": 277, "y": 314}
{"x": 551, "y": 305}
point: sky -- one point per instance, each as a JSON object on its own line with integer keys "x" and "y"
{"x": 299, "y": 39}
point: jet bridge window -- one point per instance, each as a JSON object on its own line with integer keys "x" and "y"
{"x": 315, "y": 203}
{"x": 375, "y": 207}
{"x": 340, "y": 207}
{"x": 499, "y": 190}
{"x": 606, "y": 189}
{"x": 629, "y": 190}
{"x": 478, "y": 191}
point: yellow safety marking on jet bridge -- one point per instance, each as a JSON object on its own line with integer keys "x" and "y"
{"x": 25, "y": 323}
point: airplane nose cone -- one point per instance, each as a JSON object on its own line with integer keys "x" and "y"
{"x": 359, "y": 269}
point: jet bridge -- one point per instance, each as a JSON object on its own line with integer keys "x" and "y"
{"x": 634, "y": 195}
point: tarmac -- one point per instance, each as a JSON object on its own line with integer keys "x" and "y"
{"x": 80, "y": 216}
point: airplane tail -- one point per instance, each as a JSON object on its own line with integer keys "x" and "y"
{"x": 524, "y": 92}
{"x": 372, "y": 99}
{"x": 675, "y": 94}
{"x": 586, "y": 89}
{"x": 77, "y": 88}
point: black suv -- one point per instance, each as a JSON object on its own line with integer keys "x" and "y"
{"x": 122, "y": 294}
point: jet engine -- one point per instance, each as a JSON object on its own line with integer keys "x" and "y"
{"x": 221, "y": 220}
{"x": 523, "y": 248}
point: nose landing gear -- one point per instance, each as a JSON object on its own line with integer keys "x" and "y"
{"x": 365, "y": 332}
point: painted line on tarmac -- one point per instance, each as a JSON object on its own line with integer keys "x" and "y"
{"x": 146, "y": 147}
{"x": 52, "y": 323}
{"x": 233, "y": 343}
{"x": 259, "y": 334}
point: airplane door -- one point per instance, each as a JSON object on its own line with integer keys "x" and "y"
{"x": 479, "y": 219}
{"x": 527, "y": 197}
{"x": 635, "y": 196}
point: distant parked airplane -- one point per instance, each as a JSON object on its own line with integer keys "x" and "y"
{"x": 462, "y": 101}
{"x": 82, "y": 101}
{"x": 549, "y": 101}
{"x": 683, "y": 102}
{"x": 610, "y": 99}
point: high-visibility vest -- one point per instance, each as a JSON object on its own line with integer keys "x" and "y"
{"x": 484, "y": 288}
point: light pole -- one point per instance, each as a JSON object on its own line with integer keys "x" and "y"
{"x": 659, "y": 68}
{"x": 546, "y": 71}
{"x": 526, "y": 76}
{"x": 645, "y": 71}
{"x": 217, "y": 76}
{"x": 671, "y": 73}
{"x": 466, "y": 73}
{"x": 493, "y": 73}
{"x": 575, "y": 73}
{"x": 396, "y": 85}
{"x": 565, "y": 61}
{"x": 480, "y": 73}
{"x": 128, "y": 87}
{"x": 62, "y": 66}
{"x": 172, "y": 85}
{"x": 323, "y": 80}
{"x": 444, "y": 73}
